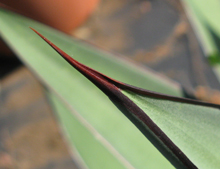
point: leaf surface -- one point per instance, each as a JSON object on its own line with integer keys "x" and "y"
{"x": 192, "y": 128}
{"x": 118, "y": 141}
{"x": 186, "y": 131}
{"x": 204, "y": 16}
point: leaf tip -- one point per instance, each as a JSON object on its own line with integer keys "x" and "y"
{"x": 40, "y": 35}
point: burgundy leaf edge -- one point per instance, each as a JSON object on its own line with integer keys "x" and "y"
{"x": 112, "y": 88}
{"x": 122, "y": 85}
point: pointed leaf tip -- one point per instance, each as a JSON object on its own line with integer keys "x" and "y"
{"x": 103, "y": 82}
{"x": 121, "y": 85}
{"x": 135, "y": 104}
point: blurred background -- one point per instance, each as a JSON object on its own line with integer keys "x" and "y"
{"x": 157, "y": 34}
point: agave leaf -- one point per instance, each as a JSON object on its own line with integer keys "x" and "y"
{"x": 16, "y": 27}
{"x": 201, "y": 27}
{"x": 115, "y": 141}
{"x": 205, "y": 16}
{"x": 186, "y": 131}
{"x": 209, "y": 10}
{"x": 86, "y": 140}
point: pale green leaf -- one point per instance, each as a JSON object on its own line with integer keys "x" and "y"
{"x": 193, "y": 129}
{"x": 126, "y": 145}
{"x": 205, "y": 19}
{"x": 186, "y": 131}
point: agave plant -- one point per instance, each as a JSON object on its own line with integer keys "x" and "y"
{"x": 168, "y": 122}
{"x": 204, "y": 16}
{"x": 186, "y": 132}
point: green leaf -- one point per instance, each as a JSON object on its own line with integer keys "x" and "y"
{"x": 194, "y": 129}
{"x": 201, "y": 27}
{"x": 205, "y": 19}
{"x": 117, "y": 142}
{"x": 186, "y": 131}
{"x": 86, "y": 139}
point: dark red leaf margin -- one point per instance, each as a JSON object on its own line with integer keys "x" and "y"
{"x": 112, "y": 89}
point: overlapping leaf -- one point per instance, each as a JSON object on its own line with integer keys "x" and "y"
{"x": 205, "y": 19}
{"x": 205, "y": 16}
{"x": 100, "y": 133}
{"x": 186, "y": 131}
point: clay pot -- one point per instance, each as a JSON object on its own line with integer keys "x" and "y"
{"x": 64, "y": 15}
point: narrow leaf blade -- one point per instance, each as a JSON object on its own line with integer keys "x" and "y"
{"x": 78, "y": 95}
{"x": 177, "y": 135}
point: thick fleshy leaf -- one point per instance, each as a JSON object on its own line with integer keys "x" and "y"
{"x": 205, "y": 19}
{"x": 200, "y": 25}
{"x": 193, "y": 129}
{"x": 102, "y": 130}
{"x": 186, "y": 131}
{"x": 205, "y": 16}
